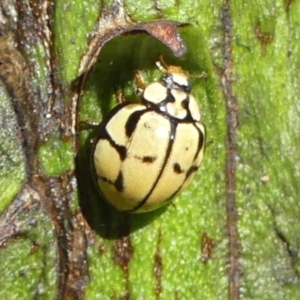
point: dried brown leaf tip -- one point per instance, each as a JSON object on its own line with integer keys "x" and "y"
{"x": 166, "y": 32}
{"x": 115, "y": 21}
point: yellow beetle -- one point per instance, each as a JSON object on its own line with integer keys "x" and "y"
{"x": 146, "y": 153}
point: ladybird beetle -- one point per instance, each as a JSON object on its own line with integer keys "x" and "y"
{"x": 146, "y": 153}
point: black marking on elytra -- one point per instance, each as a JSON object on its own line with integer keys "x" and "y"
{"x": 105, "y": 179}
{"x": 132, "y": 122}
{"x": 166, "y": 158}
{"x": 122, "y": 151}
{"x": 201, "y": 140}
{"x": 147, "y": 159}
{"x": 177, "y": 169}
{"x": 103, "y": 134}
{"x": 191, "y": 170}
{"x": 119, "y": 183}
{"x": 185, "y": 104}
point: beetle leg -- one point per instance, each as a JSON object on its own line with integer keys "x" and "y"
{"x": 87, "y": 125}
{"x": 139, "y": 82}
{"x": 120, "y": 96}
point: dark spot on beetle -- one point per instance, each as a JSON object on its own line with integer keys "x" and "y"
{"x": 191, "y": 170}
{"x": 201, "y": 142}
{"x": 105, "y": 179}
{"x": 146, "y": 159}
{"x": 119, "y": 182}
{"x": 185, "y": 103}
{"x": 122, "y": 151}
{"x": 149, "y": 159}
{"x": 177, "y": 169}
{"x": 132, "y": 122}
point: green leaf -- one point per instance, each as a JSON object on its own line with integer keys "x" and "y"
{"x": 58, "y": 244}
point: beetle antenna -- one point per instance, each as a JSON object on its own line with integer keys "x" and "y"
{"x": 203, "y": 74}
